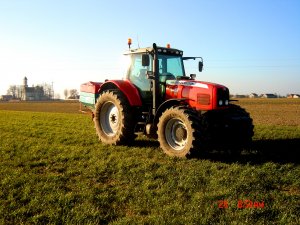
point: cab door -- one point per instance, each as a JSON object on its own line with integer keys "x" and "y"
{"x": 137, "y": 74}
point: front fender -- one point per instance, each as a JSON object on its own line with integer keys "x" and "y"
{"x": 166, "y": 105}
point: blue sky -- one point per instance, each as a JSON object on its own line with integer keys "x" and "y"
{"x": 249, "y": 46}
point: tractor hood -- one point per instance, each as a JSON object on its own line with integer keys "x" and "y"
{"x": 199, "y": 94}
{"x": 194, "y": 83}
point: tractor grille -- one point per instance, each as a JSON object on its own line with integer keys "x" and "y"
{"x": 222, "y": 96}
{"x": 203, "y": 99}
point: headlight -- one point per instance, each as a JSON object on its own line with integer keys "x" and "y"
{"x": 226, "y": 102}
{"x": 220, "y": 102}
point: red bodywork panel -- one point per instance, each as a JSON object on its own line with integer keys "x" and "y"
{"x": 94, "y": 88}
{"x": 199, "y": 95}
{"x": 90, "y": 87}
{"x": 129, "y": 90}
{"x": 125, "y": 86}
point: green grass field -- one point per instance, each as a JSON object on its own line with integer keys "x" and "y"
{"x": 53, "y": 170}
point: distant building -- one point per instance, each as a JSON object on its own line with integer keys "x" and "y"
{"x": 253, "y": 95}
{"x": 293, "y": 96}
{"x": 32, "y": 93}
{"x": 269, "y": 96}
{"x": 239, "y": 96}
{"x": 6, "y": 97}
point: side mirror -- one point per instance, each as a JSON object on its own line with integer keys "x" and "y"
{"x": 145, "y": 60}
{"x": 193, "y": 76}
{"x": 200, "y": 66}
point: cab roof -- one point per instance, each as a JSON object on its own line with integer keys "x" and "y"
{"x": 160, "y": 50}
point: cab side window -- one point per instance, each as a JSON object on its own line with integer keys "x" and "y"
{"x": 137, "y": 73}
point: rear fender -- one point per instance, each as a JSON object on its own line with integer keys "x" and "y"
{"x": 126, "y": 87}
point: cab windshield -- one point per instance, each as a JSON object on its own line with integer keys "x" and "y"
{"x": 170, "y": 65}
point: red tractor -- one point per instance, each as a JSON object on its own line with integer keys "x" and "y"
{"x": 158, "y": 99}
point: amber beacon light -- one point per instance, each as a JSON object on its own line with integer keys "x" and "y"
{"x": 129, "y": 42}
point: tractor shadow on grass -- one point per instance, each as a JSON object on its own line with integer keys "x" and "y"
{"x": 145, "y": 143}
{"x": 261, "y": 151}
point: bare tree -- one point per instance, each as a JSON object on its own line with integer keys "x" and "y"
{"x": 12, "y": 90}
{"x": 66, "y": 93}
{"x": 19, "y": 92}
{"x": 48, "y": 90}
{"x": 73, "y": 94}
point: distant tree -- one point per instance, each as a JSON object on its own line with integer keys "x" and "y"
{"x": 48, "y": 90}
{"x": 66, "y": 93}
{"x": 73, "y": 94}
{"x": 19, "y": 92}
{"x": 12, "y": 90}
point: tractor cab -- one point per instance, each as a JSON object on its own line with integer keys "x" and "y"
{"x": 151, "y": 68}
{"x": 137, "y": 74}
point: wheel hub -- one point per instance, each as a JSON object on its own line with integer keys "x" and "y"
{"x": 180, "y": 133}
{"x": 109, "y": 118}
{"x": 176, "y": 134}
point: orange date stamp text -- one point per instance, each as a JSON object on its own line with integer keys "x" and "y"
{"x": 240, "y": 204}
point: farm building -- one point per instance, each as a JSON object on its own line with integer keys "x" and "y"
{"x": 269, "y": 96}
{"x": 239, "y": 96}
{"x": 293, "y": 96}
{"x": 5, "y": 97}
{"x": 253, "y": 95}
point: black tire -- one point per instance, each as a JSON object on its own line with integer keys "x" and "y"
{"x": 230, "y": 128}
{"x": 114, "y": 118}
{"x": 178, "y": 132}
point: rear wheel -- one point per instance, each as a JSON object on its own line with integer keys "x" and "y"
{"x": 177, "y": 131}
{"x": 113, "y": 118}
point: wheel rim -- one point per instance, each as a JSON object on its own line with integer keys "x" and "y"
{"x": 109, "y": 118}
{"x": 176, "y": 134}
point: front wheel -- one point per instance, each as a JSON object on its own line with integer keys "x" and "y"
{"x": 177, "y": 131}
{"x": 230, "y": 128}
